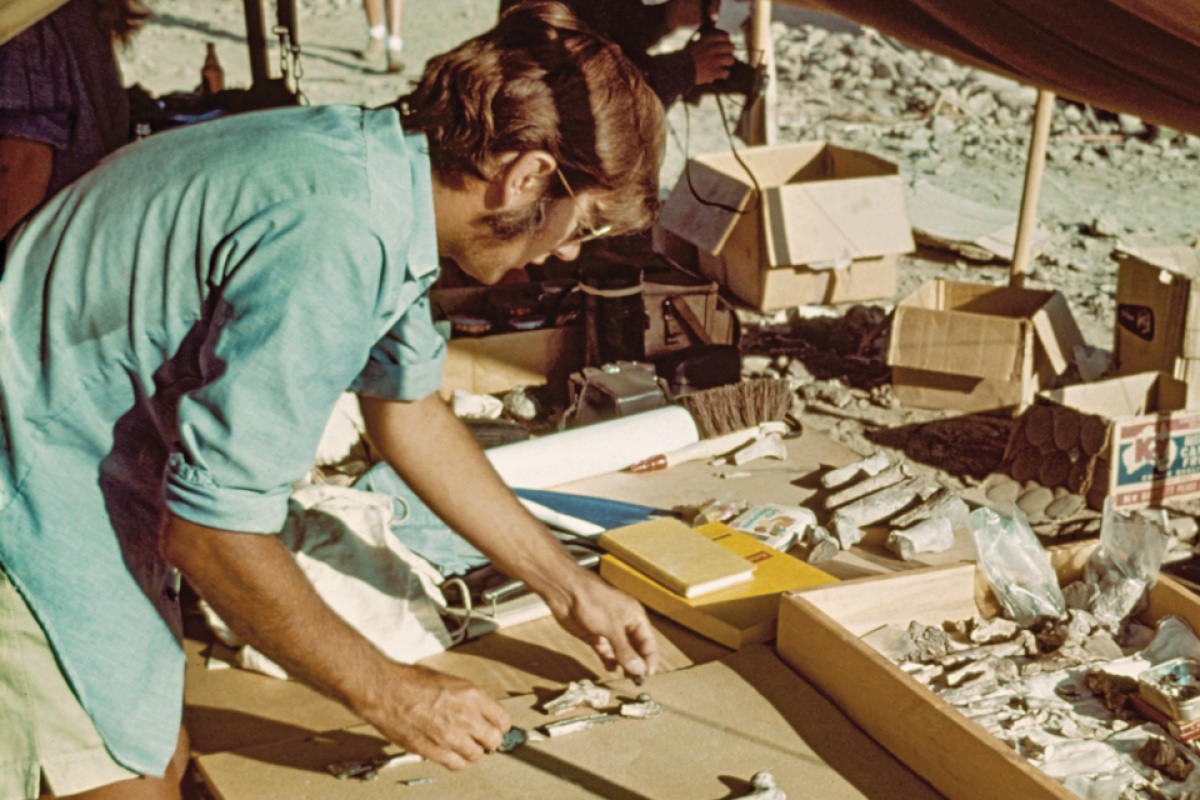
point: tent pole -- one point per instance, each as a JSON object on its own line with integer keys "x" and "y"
{"x": 761, "y": 121}
{"x": 1034, "y": 168}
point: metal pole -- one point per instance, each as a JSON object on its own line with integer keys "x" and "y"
{"x": 256, "y": 40}
{"x": 1034, "y": 167}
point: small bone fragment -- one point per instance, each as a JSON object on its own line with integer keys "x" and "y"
{"x": 872, "y": 465}
{"x": 419, "y": 781}
{"x": 769, "y": 446}
{"x": 817, "y": 545}
{"x": 942, "y": 503}
{"x": 576, "y": 724}
{"x": 644, "y": 708}
{"x": 764, "y": 787}
{"x": 985, "y": 671}
{"x": 1162, "y": 755}
{"x": 993, "y": 630}
{"x": 889, "y": 477}
{"x": 1024, "y": 644}
{"x": 923, "y": 673}
{"x": 928, "y": 536}
{"x": 846, "y": 531}
{"x": 881, "y": 504}
{"x": 929, "y": 642}
{"x": 578, "y": 693}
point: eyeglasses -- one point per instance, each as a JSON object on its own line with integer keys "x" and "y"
{"x": 589, "y": 233}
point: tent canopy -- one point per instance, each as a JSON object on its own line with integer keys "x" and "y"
{"x": 1134, "y": 56}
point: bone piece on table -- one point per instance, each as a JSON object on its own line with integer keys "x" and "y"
{"x": 769, "y": 446}
{"x": 881, "y": 480}
{"x": 942, "y": 503}
{"x": 578, "y": 693}
{"x": 871, "y": 465}
{"x": 643, "y": 708}
{"x": 932, "y": 535}
{"x": 764, "y": 788}
{"x": 884, "y": 503}
{"x": 817, "y": 545}
{"x": 576, "y": 724}
{"x": 1024, "y": 644}
{"x": 846, "y": 531}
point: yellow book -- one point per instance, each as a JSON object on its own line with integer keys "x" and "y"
{"x": 738, "y": 615}
{"x": 676, "y": 556}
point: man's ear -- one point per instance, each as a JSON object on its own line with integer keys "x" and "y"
{"x": 526, "y": 176}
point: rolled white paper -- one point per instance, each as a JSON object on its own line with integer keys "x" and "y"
{"x": 594, "y": 449}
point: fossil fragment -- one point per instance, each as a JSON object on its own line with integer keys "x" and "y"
{"x": 1165, "y": 757}
{"x": 576, "y": 724}
{"x": 871, "y": 465}
{"x": 764, "y": 788}
{"x": 644, "y": 708}
{"x": 578, "y": 693}
{"x": 888, "y": 477}
{"x": 933, "y": 535}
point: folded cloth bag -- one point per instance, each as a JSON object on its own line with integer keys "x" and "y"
{"x": 343, "y": 542}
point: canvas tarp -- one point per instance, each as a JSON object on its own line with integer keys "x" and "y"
{"x": 1135, "y": 56}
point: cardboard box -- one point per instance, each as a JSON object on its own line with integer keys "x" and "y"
{"x": 818, "y": 637}
{"x": 1127, "y": 437}
{"x": 497, "y": 362}
{"x": 818, "y": 232}
{"x": 1158, "y": 314}
{"x": 974, "y": 347}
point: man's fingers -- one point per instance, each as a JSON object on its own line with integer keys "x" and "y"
{"x": 641, "y": 635}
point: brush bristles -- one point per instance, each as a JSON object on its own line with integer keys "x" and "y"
{"x": 726, "y": 409}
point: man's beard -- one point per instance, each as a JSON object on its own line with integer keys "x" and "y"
{"x": 508, "y": 225}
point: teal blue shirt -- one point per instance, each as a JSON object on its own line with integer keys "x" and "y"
{"x": 175, "y": 328}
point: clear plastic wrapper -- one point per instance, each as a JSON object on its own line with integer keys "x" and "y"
{"x": 1015, "y": 564}
{"x": 1125, "y": 565}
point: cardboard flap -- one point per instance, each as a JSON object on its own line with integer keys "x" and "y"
{"x": 1128, "y": 396}
{"x": 836, "y": 219}
{"x": 1058, "y": 332}
{"x": 698, "y": 209}
{"x": 932, "y": 340}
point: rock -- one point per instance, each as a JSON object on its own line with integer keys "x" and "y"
{"x": 1066, "y": 506}
{"x": 1004, "y": 490}
{"x": 1034, "y": 502}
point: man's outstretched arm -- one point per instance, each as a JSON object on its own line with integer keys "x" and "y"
{"x": 436, "y": 455}
{"x": 253, "y": 583}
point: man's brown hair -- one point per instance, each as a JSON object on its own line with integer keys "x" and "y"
{"x": 540, "y": 80}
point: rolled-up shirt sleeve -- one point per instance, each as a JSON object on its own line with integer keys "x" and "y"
{"x": 291, "y": 324}
{"x": 406, "y": 364}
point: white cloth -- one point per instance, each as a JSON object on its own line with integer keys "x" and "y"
{"x": 343, "y": 544}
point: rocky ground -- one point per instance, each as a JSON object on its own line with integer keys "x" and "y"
{"x": 1109, "y": 179}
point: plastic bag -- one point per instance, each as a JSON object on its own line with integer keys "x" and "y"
{"x": 1015, "y": 565}
{"x": 1125, "y": 565}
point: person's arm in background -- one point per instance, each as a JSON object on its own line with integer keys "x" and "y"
{"x": 25, "y": 167}
{"x": 437, "y": 457}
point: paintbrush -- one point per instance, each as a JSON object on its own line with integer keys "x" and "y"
{"x": 738, "y": 406}
{"x": 707, "y": 448}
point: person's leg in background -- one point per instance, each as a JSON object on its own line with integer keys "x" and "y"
{"x": 384, "y": 33}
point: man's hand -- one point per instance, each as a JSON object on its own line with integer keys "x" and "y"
{"x": 443, "y": 718}
{"x": 712, "y": 54}
{"x": 612, "y": 622}
{"x": 254, "y": 585}
{"x": 441, "y": 462}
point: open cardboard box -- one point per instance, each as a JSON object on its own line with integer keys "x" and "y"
{"x": 975, "y": 347}
{"x": 497, "y": 362}
{"x": 827, "y": 226}
{"x": 1158, "y": 314}
{"x": 1136, "y": 444}
{"x": 819, "y": 630}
